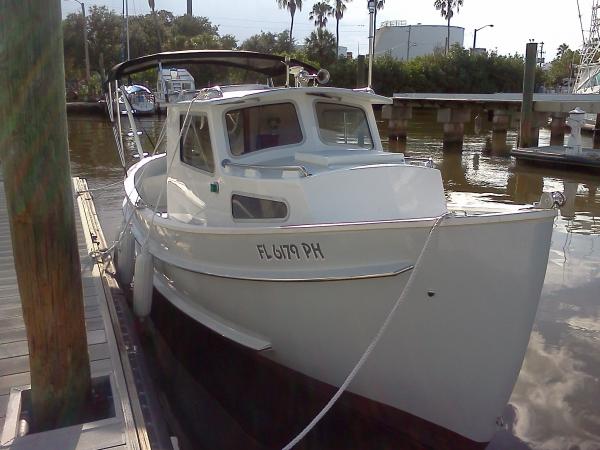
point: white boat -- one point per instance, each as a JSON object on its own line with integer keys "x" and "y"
{"x": 277, "y": 221}
{"x": 140, "y": 99}
{"x": 174, "y": 85}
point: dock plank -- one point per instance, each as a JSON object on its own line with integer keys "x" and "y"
{"x": 116, "y": 433}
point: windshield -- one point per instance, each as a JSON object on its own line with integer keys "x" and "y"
{"x": 259, "y": 127}
{"x": 343, "y": 125}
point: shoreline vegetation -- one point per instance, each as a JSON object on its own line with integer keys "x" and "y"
{"x": 457, "y": 71}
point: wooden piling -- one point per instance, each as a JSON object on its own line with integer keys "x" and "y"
{"x": 596, "y": 140}
{"x": 35, "y": 163}
{"x": 525, "y": 134}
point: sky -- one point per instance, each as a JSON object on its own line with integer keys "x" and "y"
{"x": 515, "y": 21}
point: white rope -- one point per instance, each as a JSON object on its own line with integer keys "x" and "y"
{"x": 102, "y": 254}
{"x": 373, "y": 343}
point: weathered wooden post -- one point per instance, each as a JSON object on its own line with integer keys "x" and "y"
{"x": 525, "y": 135}
{"x": 596, "y": 139}
{"x": 35, "y": 162}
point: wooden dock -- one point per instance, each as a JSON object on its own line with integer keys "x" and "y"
{"x": 555, "y": 156}
{"x": 108, "y": 352}
{"x": 503, "y": 110}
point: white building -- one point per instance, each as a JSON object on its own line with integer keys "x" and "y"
{"x": 405, "y": 42}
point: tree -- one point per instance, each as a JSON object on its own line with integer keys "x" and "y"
{"x": 291, "y": 6}
{"x": 338, "y": 13}
{"x": 562, "y": 68}
{"x": 560, "y": 51}
{"x": 446, "y": 8}
{"x": 319, "y": 13}
{"x": 267, "y": 42}
{"x": 320, "y": 47}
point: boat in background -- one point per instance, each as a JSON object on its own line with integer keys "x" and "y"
{"x": 174, "y": 85}
{"x": 279, "y": 224}
{"x": 140, "y": 98}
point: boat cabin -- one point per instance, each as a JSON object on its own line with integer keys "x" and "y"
{"x": 253, "y": 154}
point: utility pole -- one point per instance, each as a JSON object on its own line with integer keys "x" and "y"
{"x": 189, "y": 8}
{"x": 371, "y": 6}
{"x": 85, "y": 44}
{"x": 408, "y": 44}
{"x": 39, "y": 196}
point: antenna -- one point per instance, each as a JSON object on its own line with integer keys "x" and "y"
{"x": 581, "y": 24}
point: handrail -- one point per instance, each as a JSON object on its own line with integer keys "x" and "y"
{"x": 301, "y": 169}
{"x": 428, "y": 161}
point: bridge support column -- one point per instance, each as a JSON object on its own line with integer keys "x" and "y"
{"x": 539, "y": 119}
{"x": 397, "y": 117}
{"x": 453, "y": 120}
{"x": 557, "y": 128}
{"x": 500, "y": 125}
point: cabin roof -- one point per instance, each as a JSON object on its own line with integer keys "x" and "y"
{"x": 248, "y": 92}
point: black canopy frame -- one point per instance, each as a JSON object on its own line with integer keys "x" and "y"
{"x": 266, "y": 64}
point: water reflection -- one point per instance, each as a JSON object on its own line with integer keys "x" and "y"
{"x": 555, "y": 401}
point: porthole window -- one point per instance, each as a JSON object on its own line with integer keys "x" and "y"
{"x": 196, "y": 148}
{"x": 255, "y": 208}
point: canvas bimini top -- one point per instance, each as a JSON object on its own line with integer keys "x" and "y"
{"x": 266, "y": 64}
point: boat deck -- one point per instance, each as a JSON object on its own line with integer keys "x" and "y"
{"x": 126, "y": 430}
{"x": 557, "y": 155}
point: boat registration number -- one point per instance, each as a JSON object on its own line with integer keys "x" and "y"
{"x": 288, "y": 252}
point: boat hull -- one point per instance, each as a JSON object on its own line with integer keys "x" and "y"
{"x": 454, "y": 347}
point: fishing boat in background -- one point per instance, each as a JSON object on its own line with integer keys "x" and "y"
{"x": 278, "y": 223}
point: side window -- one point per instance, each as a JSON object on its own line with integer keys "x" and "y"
{"x": 258, "y": 127}
{"x": 245, "y": 207}
{"x": 195, "y": 145}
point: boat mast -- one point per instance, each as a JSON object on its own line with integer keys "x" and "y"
{"x": 125, "y": 35}
{"x": 127, "y": 27}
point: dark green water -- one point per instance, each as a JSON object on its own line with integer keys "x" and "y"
{"x": 555, "y": 404}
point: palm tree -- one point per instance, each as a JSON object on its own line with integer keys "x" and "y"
{"x": 291, "y": 6}
{"x": 338, "y": 12}
{"x": 562, "y": 49}
{"x": 379, "y": 5}
{"x": 446, "y": 8}
{"x": 319, "y": 13}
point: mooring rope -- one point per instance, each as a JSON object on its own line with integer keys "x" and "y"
{"x": 103, "y": 253}
{"x": 373, "y": 343}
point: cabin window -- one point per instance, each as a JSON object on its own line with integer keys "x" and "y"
{"x": 259, "y": 127}
{"x": 245, "y": 207}
{"x": 196, "y": 148}
{"x": 343, "y": 125}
